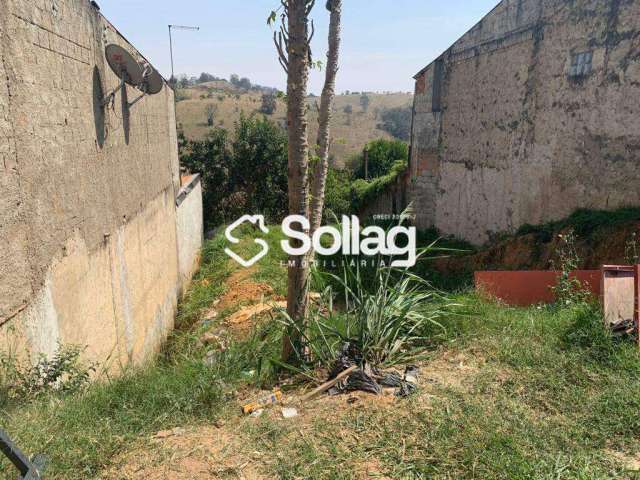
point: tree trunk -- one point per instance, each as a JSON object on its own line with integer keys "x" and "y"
{"x": 297, "y": 79}
{"x": 324, "y": 117}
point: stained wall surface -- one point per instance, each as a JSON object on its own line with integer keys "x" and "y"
{"x": 88, "y": 237}
{"x": 504, "y": 134}
{"x": 190, "y": 227}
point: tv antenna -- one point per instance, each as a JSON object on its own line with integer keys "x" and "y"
{"x": 143, "y": 77}
{"x": 177, "y": 27}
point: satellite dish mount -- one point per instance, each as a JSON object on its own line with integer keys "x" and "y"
{"x": 143, "y": 77}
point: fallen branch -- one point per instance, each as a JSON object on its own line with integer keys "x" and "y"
{"x": 326, "y": 386}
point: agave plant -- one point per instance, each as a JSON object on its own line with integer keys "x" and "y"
{"x": 387, "y": 313}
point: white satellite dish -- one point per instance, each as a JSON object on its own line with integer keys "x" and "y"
{"x": 123, "y": 65}
{"x": 152, "y": 81}
{"x": 143, "y": 77}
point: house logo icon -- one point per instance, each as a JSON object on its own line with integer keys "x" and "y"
{"x": 228, "y": 233}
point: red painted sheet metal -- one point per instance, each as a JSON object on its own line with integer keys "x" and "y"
{"x": 525, "y": 288}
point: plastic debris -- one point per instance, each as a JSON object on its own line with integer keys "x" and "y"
{"x": 360, "y": 381}
{"x": 349, "y": 355}
{"x": 409, "y": 384}
{"x": 210, "y": 358}
{"x": 390, "y": 380}
{"x": 213, "y": 340}
{"x": 270, "y": 399}
{"x": 29, "y": 469}
{"x": 257, "y": 413}
{"x": 289, "y": 412}
{"x": 367, "y": 379}
{"x": 411, "y": 374}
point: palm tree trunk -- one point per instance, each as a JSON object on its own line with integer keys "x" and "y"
{"x": 324, "y": 117}
{"x": 297, "y": 128}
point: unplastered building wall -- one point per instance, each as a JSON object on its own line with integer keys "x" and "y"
{"x": 504, "y": 135}
{"x": 89, "y": 241}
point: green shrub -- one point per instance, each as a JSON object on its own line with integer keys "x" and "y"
{"x": 345, "y": 195}
{"x": 269, "y": 104}
{"x": 63, "y": 373}
{"x": 363, "y": 191}
{"x": 589, "y": 334}
{"x": 632, "y": 250}
{"x": 246, "y": 175}
{"x": 181, "y": 94}
{"x": 382, "y": 156}
{"x": 337, "y": 196}
{"x": 365, "y": 101}
{"x": 569, "y": 290}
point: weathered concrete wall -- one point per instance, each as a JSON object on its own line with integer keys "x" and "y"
{"x": 515, "y": 139}
{"x": 89, "y": 249}
{"x": 190, "y": 227}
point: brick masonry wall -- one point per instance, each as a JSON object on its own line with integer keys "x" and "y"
{"x": 518, "y": 140}
{"x": 89, "y": 244}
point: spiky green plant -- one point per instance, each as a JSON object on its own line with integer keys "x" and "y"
{"x": 388, "y": 317}
{"x": 632, "y": 250}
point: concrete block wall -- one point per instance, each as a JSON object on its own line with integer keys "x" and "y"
{"x": 89, "y": 235}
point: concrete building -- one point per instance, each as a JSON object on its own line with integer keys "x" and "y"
{"x": 97, "y": 235}
{"x": 529, "y": 116}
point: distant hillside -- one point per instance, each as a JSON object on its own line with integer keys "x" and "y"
{"x": 218, "y": 85}
{"x": 350, "y": 131}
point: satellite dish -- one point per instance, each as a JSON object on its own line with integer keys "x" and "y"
{"x": 152, "y": 82}
{"x": 123, "y": 65}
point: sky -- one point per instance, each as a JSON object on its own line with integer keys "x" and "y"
{"x": 384, "y": 42}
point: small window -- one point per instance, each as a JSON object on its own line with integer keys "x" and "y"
{"x": 581, "y": 64}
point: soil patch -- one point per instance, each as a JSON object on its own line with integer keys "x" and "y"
{"x": 202, "y": 453}
{"x": 629, "y": 462}
{"x": 244, "y": 319}
{"x": 534, "y": 251}
{"x": 241, "y": 290}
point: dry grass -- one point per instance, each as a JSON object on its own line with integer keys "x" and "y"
{"x": 240, "y": 447}
{"x": 350, "y": 132}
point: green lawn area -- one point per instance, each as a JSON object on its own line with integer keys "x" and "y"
{"x": 536, "y": 393}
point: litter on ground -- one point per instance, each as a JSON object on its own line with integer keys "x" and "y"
{"x": 271, "y": 399}
{"x": 289, "y": 412}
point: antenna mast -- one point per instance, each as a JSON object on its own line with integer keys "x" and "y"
{"x": 176, "y": 27}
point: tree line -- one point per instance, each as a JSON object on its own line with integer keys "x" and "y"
{"x": 242, "y": 83}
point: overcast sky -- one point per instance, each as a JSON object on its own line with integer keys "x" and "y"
{"x": 385, "y": 42}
